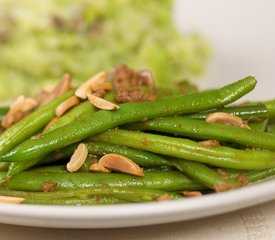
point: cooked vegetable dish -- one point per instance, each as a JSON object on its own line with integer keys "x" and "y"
{"x": 117, "y": 138}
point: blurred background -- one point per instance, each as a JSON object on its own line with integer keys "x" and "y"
{"x": 42, "y": 40}
{"x": 242, "y": 36}
{"x": 207, "y": 42}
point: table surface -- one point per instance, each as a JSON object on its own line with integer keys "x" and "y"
{"x": 251, "y": 224}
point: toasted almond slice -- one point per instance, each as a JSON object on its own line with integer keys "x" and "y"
{"x": 101, "y": 103}
{"x": 105, "y": 86}
{"x": 66, "y": 105}
{"x": 192, "y": 194}
{"x": 19, "y": 109}
{"x": 13, "y": 200}
{"x": 120, "y": 163}
{"x": 226, "y": 119}
{"x": 83, "y": 90}
{"x": 210, "y": 143}
{"x": 100, "y": 93}
{"x": 78, "y": 158}
{"x": 7, "y": 121}
{"x": 164, "y": 197}
{"x": 19, "y": 102}
{"x": 62, "y": 87}
{"x": 97, "y": 167}
{"x": 50, "y": 124}
{"x": 29, "y": 105}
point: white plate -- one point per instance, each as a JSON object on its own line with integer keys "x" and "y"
{"x": 248, "y": 49}
{"x": 140, "y": 214}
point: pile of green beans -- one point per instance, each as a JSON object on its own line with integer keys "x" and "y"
{"x": 164, "y": 137}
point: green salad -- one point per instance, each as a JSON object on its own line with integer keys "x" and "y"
{"x": 40, "y": 40}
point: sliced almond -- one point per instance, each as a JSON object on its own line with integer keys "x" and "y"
{"x": 226, "y": 119}
{"x": 78, "y": 158}
{"x": 87, "y": 87}
{"x": 19, "y": 109}
{"x": 29, "y": 105}
{"x": 101, "y": 103}
{"x": 210, "y": 143}
{"x": 99, "y": 93}
{"x": 50, "y": 124}
{"x": 105, "y": 86}
{"x": 120, "y": 163}
{"x": 66, "y": 105}
{"x": 164, "y": 197}
{"x": 62, "y": 87}
{"x": 13, "y": 200}
{"x": 97, "y": 167}
{"x": 192, "y": 194}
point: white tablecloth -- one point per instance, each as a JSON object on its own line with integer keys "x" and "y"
{"x": 256, "y": 223}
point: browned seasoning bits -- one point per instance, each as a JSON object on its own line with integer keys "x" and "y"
{"x": 87, "y": 87}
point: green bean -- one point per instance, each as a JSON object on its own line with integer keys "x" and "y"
{"x": 80, "y": 110}
{"x": 205, "y": 175}
{"x": 259, "y": 126}
{"x": 34, "y": 181}
{"x": 257, "y": 175}
{"x": 190, "y": 150}
{"x": 102, "y": 120}
{"x": 29, "y": 125}
{"x": 53, "y": 168}
{"x": 270, "y": 105}
{"x": 252, "y": 176}
{"x": 4, "y": 166}
{"x": 251, "y": 112}
{"x": 271, "y": 128}
{"x": 75, "y": 113}
{"x": 124, "y": 193}
{"x": 62, "y": 168}
{"x": 202, "y": 130}
{"x": 142, "y": 158}
{"x": 163, "y": 168}
{"x": 95, "y": 200}
{"x": 3, "y": 111}
{"x": 198, "y": 171}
